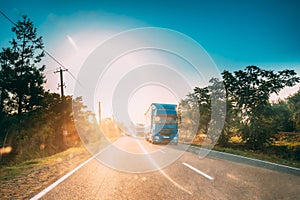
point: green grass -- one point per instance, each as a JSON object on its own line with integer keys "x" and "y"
{"x": 10, "y": 172}
{"x": 259, "y": 155}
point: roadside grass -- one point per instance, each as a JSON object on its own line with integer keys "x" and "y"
{"x": 259, "y": 155}
{"x": 287, "y": 143}
{"x": 10, "y": 172}
{"x": 236, "y": 147}
{"x": 24, "y": 168}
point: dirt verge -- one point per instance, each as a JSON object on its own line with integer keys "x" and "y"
{"x": 37, "y": 174}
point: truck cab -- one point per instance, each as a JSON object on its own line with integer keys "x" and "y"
{"x": 162, "y": 124}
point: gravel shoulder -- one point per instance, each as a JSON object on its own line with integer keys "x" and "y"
{"x": 27, "y": 179}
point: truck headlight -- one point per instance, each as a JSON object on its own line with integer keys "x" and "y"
{"x": 156, "y": 138}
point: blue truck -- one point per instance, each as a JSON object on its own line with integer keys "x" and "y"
{"x": 161, "y": 124}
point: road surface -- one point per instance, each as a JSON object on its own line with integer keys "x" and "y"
{"x": 187, "y": 177}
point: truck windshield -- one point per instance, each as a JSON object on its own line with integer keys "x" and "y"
{"x": 165, "y": 119}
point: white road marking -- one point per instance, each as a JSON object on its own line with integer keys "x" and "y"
{"x": 174, "y": 182}
{"x": 160, "y": 170}
{"x": 257, "y": 160}
{"x": 247, "y": 158}
{"x": 162, "y": 151}
{"x": 198, "y": 171}
{"x": 53, "y": 185}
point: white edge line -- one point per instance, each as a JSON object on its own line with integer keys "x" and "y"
{"x": 198, "y": 171}
{"x": 53, "y": 185}
{"x": 253, "y": 159}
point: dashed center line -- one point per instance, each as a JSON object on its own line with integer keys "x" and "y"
{"x": 162, "y": 151}
{"x": 198, "y": 171}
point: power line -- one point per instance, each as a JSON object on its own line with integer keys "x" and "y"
{"x": 60, "y": 64}
{"x": 46, "y": 52}
{"x": 6, "y": 17}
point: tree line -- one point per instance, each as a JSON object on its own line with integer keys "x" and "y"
{"x": 249, "y": 113}
{"x": 34, "y": 122}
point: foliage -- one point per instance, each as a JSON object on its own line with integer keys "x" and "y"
{"x": 280, "y": 155}
{"x": 231, "y": 124}
{"x": 47, "y": 130}
{"x": 282, "y": 116}
{"x": 189, "y": 115}
{"x": 248, "y": 115}
{"x": 294, "y": 106}
{"x": 250, "y": 91}
{"x": 204, "y": 111}
{"x": 204, "y": 105}
{"x": 83, "y": 121}
{"x": 22, "y": 79}
{"x": 112, "y": 129}
{"x": 35, "y": 123}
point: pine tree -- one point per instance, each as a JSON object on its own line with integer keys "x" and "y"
{"x": 22, "y": 76}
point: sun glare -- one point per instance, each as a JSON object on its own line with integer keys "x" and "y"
{"x": 141, "y": 99}
{"x": 72, "y": 42}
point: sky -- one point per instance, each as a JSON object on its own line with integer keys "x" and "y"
{"x": 234, "y": 34}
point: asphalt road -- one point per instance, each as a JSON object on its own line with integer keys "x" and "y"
{"x": 184, "y": 176}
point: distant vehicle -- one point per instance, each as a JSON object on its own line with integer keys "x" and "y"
{"x": 161, "y": 123}
{"x": 140, "y": 130}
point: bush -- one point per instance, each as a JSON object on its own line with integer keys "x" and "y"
{"x": 284, "y": 151}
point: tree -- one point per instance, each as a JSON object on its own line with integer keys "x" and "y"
{"x": 204, "y": 105}
{"x": 250, "y": 90}
{"x": 189, "y": 116}
{"x": 5, "y": 76}
{"x": 21, "y": 88}
{"x": 282, "y": 116}
{"x": 294, "y": 105}
{"x": 205, "y": 109}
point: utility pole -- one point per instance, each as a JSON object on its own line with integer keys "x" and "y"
{"x": 62, "y": 84}
{"x": 99, "y": 112}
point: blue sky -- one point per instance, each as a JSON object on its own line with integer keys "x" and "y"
{"x": 235, "y": 33}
